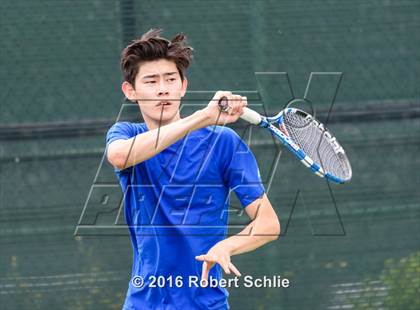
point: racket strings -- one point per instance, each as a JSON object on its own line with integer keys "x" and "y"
{"x": 313, "y": 142}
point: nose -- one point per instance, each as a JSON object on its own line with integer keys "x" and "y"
{"x": 162, "y": 90}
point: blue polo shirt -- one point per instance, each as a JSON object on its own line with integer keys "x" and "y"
{"x": 176, "y": 207}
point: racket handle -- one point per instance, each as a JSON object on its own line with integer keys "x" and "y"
{"x": 248, "y": 115}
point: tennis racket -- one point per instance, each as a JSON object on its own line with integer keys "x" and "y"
{"x": 306, "y": 138}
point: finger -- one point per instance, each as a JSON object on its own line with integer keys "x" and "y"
{"x": 221, "y": 94}
{"x": 234, "y": 269}
{"x": 205, "y": 257}
{"x": 231, "y": 104}
{"x": 225, "y": 267}
{"x": 205, "y": 271}
{"x": 244, "y": 101}
{"x": 227, "y": 106}
{"x": 238, "y": 104}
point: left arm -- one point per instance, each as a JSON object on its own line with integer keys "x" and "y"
{"x": 263, "y": 228}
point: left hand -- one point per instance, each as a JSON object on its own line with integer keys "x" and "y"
{"x": 220, "y": 254}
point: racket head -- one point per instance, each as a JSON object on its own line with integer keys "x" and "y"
{"x": 313, "y": 144}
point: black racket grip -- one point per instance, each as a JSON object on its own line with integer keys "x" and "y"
{"x": 223, "y": 104}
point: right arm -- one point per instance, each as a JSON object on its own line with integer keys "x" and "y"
{"x": 126, "y": 153}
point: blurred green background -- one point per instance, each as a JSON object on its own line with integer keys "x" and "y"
{"x": 353, "y": 246}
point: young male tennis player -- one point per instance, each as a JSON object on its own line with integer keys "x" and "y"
{"x": 176, "y": 174}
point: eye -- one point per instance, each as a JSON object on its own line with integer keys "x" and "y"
{"x": 150, "y": 82}
{"x": 171, "y": 79}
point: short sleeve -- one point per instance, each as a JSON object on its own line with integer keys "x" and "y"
{"x": 121, "y": 130}
{"x": 241, "y": 173}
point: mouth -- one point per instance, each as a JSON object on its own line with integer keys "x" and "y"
{"x": 163, "y": 104}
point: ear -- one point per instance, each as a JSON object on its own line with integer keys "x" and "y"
{"x": 128, "y": 91}
{"x": 184, "y": 87}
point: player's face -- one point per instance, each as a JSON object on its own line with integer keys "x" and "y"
{"x": 159, "y": 89}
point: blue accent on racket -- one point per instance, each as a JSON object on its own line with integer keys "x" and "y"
{"x": 308, "y": 139}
